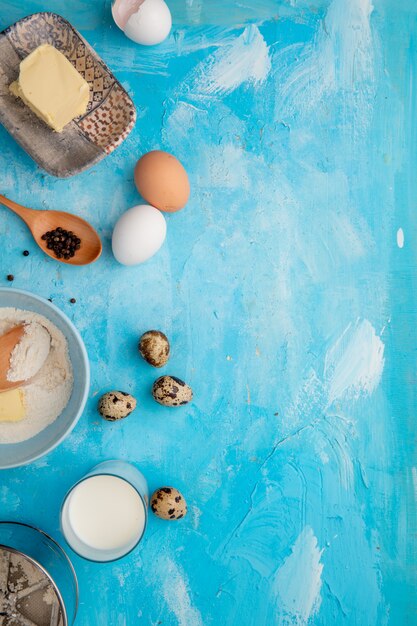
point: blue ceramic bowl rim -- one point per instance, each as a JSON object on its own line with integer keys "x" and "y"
{"x": 86, "y": 363}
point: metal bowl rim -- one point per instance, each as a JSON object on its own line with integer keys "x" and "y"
{"x": 43, "y": 570}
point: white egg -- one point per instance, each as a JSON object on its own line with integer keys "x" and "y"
{"x": 147, "y": 22}
{"x": 138, "y": 234}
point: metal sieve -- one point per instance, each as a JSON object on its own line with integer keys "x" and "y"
{"x": 38, "y": 585}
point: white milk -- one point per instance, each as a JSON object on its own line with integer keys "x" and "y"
{"x": 103, "y": 518}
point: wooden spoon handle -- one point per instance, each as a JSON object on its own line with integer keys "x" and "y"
{"x": 23, "y": 212}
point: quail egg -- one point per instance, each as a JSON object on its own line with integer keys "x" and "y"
{"x": 154, "y": 347}
{"x": 168, "y": 503}
{"x": 116, "y": 405}
{"x": 171, "y": 391}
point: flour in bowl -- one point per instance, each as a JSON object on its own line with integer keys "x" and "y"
{"x": 48, "y": 392}
{"x": 30, "y": 353}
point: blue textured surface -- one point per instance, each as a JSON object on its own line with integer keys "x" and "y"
{"x": 288, "y": 301}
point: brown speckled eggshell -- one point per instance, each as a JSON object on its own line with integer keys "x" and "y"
{"x": 171, "y": 391}
{"x": 162, "y": 181}
{"x": 154, "y": 348}
{"x": 116, "y": 405}
{"x": 168, "y": 503}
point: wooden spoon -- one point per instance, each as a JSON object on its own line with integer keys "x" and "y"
{"x": 40, "y": 222}
{"x": 8, "y": 342}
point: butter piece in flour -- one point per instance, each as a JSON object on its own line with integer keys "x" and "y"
{"x": 51, "y": 86}
{"x": 12, "y": 406}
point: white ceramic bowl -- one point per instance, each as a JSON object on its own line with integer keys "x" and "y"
{"x": 16, "y": 454}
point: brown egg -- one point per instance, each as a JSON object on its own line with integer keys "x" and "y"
{"x": 162, "y": 181}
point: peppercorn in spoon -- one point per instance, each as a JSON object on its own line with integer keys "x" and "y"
{"x": 62, "y": 236}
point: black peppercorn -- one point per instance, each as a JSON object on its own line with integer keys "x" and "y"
{"x": 73, "y": 301}
{"x": 64, "y": 243}
{"x": 10, "y": 277}
{"x": 25, "y": 252}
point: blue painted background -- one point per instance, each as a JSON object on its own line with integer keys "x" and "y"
{"x": 288, "y": 301}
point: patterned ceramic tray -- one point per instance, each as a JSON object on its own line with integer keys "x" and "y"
{"x": 110, "y": 115}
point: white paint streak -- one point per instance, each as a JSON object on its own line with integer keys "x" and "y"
{"x": 245, "y": 60}
{"x": 347, "y": 25}
{"x": 339, "y": 60}
{"x": 194, "y": 10}
{"x": 354, "y": 364}
{"x": 186, "y": 41}
{"x": 121, "y": 576}
{"x": 400, "y": 238}
{"x": 176, "y": 593}
{"x": 228, "y": 167}
{"x": 298, "y": 582}
{"x": 195, "y": 516}
{"x": 9, "y": 498}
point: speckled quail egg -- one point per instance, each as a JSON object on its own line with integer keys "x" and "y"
{"x": 154, "y": 347}
{"x": 115, "y": 405}
{"x": 171, "y": 391}
{"x": 168, "y": 503}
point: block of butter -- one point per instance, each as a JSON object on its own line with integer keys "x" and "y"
{"x": 51, "y": 86}
{"x": 12, "y": 405}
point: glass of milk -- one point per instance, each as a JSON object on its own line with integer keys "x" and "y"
{"x": 104, "y": 515}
